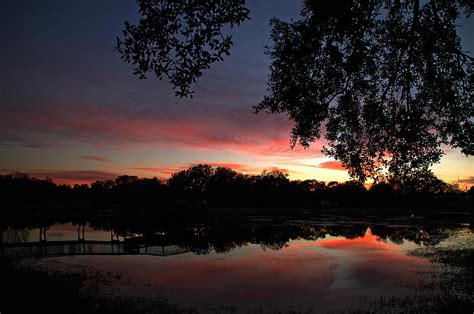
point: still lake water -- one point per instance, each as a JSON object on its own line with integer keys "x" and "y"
{"x": 324, "y": 266}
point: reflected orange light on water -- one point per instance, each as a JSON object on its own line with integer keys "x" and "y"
{"x": 317, "y": 273}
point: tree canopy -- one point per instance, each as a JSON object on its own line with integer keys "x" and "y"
{"x": 386, "y": 83}
{"x": 180, "y": 39}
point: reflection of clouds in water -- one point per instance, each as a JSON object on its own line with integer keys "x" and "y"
{"x": 330, "y": 270}
{"x": 255, "y": 277}
{"x": 15, "y": 235}
{"x": 55, "y": 234}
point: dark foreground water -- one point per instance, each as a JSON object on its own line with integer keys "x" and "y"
{"x": 253, "y": 264}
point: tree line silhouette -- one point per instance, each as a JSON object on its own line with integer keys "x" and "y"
{"x": 204, "y": 186}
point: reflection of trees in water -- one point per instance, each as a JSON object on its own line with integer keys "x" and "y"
{"x": 427, "y": 235}
{"x": 275, "y": 237}
{"x": 399, "y": 235}
{"x": 348, "y": 232}
{"x": 313, "y": 233}
{"x": 11, "y": 235}
{"x": 203, "y": 235}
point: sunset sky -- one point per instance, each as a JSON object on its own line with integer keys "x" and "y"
{"x": 70, "y": 109}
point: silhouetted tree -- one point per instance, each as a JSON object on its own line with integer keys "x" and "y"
{"x": 349, "y": 193}
{"x": 100, "y": 191}
{"x": 224, "y": 187}
{"x": 382, "y": 194}
{"x": 387, "y": 80}
{"x": 191, "y": 183}
{"x": 180, "y": 39}
{"x": 272, "y": 188}
{"x": 19, "y": 186}
{"x": 428, "y": 183}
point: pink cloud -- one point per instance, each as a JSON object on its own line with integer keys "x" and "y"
{"x": 94, "y": 158}
{"x": 332, "y": 165}
{"x": 164, "y": 170}
{"x": 111, "y": 127}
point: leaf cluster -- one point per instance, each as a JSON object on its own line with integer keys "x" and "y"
{"x": 180, "y": 39}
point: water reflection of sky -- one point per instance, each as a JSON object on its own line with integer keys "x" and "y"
{"x": 328, "y": 273}
{"x": 68, "y": 232}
